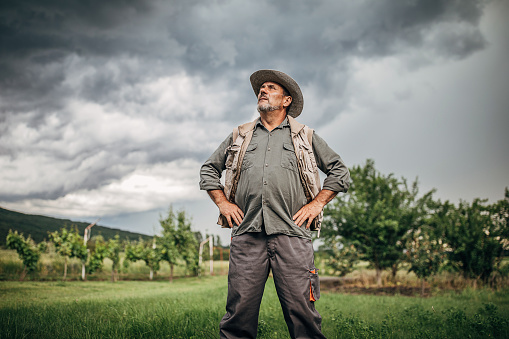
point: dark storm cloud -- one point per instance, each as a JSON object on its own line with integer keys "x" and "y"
{"x": 305, "y": 31}
{"x": 36, "y": 38}
{"x": 313, "y": 41}
{"x": 219, "y": 38}
{"x": 58, "y": 55}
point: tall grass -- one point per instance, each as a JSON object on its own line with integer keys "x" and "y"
{"x": 193, "y": 307}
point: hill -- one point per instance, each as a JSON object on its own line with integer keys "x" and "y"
{"x": 38, "y": 227}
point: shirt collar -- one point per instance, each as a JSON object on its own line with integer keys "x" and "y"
{"x": 285, "y": 123}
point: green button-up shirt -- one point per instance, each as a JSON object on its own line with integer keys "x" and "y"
{"x": 269, "y": 191}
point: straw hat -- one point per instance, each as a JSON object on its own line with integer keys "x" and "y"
{"x": 258, "y": 78}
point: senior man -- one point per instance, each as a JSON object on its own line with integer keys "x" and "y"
{"x": 272, "y": 201}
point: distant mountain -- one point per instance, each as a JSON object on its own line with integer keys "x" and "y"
{"x": 38, "y": 227}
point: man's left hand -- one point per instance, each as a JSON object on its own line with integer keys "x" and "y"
{"x": 308, "y": 212}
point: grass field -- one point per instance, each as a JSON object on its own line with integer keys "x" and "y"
{"x": 193, "y": 307}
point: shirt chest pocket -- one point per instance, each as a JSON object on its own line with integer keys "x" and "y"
{"x": 249, "y": 157}
{"x": 288, "y": 157}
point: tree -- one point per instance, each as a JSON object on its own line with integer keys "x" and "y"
{"x": 476, "y": 235}
{"x": 375, "y": 216}
{"x": 178, "y": 242}
{"x": 98, "y": 251}
{"x": 187, "y": 243}
{"x": 500, "y": 216}
{"x": 168, "y": 240}
{"x": 146, "y": 251}
{"x": 28, "y": 252}
{"x": 69, "y": 244}
{"x": 425, "y": 253}
{"x": 342, "y": 257}
{"x": 113, "y": 253}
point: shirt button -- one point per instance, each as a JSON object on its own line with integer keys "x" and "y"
{"x": 265, "y": 183}
{"x": 268, "y": 149}
{"x": 266, "y": 165}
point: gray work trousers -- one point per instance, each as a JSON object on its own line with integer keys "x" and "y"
{"x": 252, "y": 255}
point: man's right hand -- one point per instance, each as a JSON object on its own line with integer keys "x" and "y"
{"x": 230, "y": 211}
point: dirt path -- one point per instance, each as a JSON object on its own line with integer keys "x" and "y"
{"x": 351, "y": 286}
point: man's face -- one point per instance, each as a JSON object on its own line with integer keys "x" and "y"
{"x": 271, "y": 97}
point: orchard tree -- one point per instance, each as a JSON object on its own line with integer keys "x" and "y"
{"x": 342, "y": 257}
{"x": 187, "y": 243}
{"x": 178, "y": 242}
{"x": 69, "y": 244}
{"x": 98, "y": 251}
{"x": 146, "y": 251}
{"x": 375, "y": 216}
{"x": 113, "y": 253}
{"x": 425, "y": 253}
{"x": 476, "y": 235}
{"x": 168, "y": 240}
{"x": 500, "y": 217}
{"x": 28, "y": 252}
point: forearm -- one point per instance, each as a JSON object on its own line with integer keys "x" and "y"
{"x": 230, "y": 211}
{"x": 217, "y": 197}
{"x": 324, "y": 197}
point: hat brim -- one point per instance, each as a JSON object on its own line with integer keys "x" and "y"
{"x": 258, "y": 78}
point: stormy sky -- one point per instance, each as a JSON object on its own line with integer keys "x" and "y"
{"x": 108, "y": 108}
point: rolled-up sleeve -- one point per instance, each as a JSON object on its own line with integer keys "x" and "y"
{"x": 330, "y": 163}
{"x": 211, "y": 170}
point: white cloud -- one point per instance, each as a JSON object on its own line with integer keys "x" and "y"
{"x": 143, "y": 189}
{"x": 87, "y": 144}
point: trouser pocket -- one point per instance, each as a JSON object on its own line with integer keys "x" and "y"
{"x": 314, "y": 285}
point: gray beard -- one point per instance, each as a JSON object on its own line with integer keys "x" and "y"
{"x": 267, "y": 108}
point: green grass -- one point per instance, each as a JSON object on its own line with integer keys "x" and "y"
{"x": 192, "y": 308}
{"x": 470, "y": 314}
